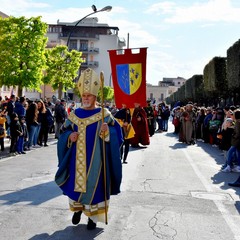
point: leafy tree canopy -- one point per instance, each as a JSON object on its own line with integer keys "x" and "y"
{"x": 22, "y": 46}
{"x": 62, "y": 67}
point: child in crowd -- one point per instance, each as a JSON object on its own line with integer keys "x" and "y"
{"x": 226, "y": 137}
{"x": 234, "y": 150}
{"x": 22, "y": 139}
{"x": 3, "y": 120}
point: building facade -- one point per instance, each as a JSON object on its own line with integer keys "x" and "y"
{"x": 164, "y": 89}
{"x": 91, "y": 38}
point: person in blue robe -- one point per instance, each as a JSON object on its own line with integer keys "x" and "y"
{"x": 86, "y": 145}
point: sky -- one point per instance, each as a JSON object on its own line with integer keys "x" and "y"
{"x": 181, "y": 36}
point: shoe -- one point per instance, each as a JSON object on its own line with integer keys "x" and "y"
{"x": 234, "y": 184}
{"x": 135, "y": 146}
{"x": 227, "y": 169}
{"x": 124, "y": 162}
{"x": 91, "y": 225}
{"x": 76, "y": 217}
{"x": 12, "y": 154}
{"x": 36, "y": 146}
{"x": 45, "y": 145}
{"x": 236, "y": 169}
{"x": 223, "y": 166}
{"x": 23, "y": 152}
{"x": 19, "y": 153}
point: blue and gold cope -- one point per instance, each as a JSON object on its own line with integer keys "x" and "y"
{"x": 80, "y": 169}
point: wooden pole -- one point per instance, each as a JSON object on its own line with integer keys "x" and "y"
{"x": 104, "y": 149}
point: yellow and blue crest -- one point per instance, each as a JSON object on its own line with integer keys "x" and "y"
{"x": 129, "y": 77}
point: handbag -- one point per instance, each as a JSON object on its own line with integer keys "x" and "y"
{"x": 128, "y": 131}
{"x": 176, "y": 121}
{"x": 214, "y": 125}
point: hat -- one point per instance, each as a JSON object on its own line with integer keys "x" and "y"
{"x": 88, "y": 82}
{"x": 229, "y": 120}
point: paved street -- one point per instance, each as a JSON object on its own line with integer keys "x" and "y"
{"x": 170, "y": 191}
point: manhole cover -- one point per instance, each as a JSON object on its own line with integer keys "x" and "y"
{"x": 212, "y": 196}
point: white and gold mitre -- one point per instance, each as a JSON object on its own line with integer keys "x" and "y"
{"x": 88, "y": 82}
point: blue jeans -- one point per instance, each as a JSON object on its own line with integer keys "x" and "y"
{"x": 160, "y": 123}
{"x": 20, "y": 144}
{"x": 231, "y": 154}
{"x": 165, "y": 125}
{"x": 35, "y": 139}
{"x": 32, "y": 129}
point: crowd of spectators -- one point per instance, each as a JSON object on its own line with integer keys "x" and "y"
{"x": 219, "y": 127}
{"x": 26, "y": 123}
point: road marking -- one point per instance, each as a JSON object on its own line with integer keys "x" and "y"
{"x": 225, "y": 213}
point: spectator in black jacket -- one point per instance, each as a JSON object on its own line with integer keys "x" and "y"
{"x": 60, "y": 115}
{"x": 10, "y": 110}
{"x": 165, "y": 117}
{"x": 16, "y": 131}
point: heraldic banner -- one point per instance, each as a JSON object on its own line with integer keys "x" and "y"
{"x": 129, "y": 76}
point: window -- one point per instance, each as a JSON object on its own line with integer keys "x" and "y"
{"x": 83, "y": 45}
{"x": 73, "y": 44}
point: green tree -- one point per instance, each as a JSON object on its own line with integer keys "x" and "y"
{"x": 62, "y": 67}
{"x": 22, "y": 46}
{"x": 108, "y": 94}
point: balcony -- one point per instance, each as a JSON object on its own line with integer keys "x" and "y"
{"x": 91, "y": 64}
{"x": 75, "y": 35}
{"x": 89, "y": 50}
{"x": 94, "y": 50}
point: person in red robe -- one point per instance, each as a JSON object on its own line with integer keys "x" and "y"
{"x": 140, "y": 125}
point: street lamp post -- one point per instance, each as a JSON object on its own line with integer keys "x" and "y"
{"x": 107, "y": 9}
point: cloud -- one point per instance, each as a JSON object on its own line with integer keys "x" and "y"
{"x": 19, "y": 6}
{"x": 211, "y": 11}
{"x": 161, "y": 64}
{"x": 162, "y": 7}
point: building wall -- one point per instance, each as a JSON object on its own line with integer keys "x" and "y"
{"x": 105, "y": 43}
{"x": 178, "y": 82}
{"x": 3, "y": 15}
{"x": 160, "y": 93}
{"x": 156, "y": 92}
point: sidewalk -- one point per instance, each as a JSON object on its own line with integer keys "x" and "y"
{"x": 7, "y": 142}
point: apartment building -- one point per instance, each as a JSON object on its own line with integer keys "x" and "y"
{"x": 91, "y": 38}
{"x": 164, "y": 89}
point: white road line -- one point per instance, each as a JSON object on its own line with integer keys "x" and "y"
{"x": 225, "y": 213}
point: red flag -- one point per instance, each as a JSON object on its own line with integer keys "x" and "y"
{"x": 129, "y": 76}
